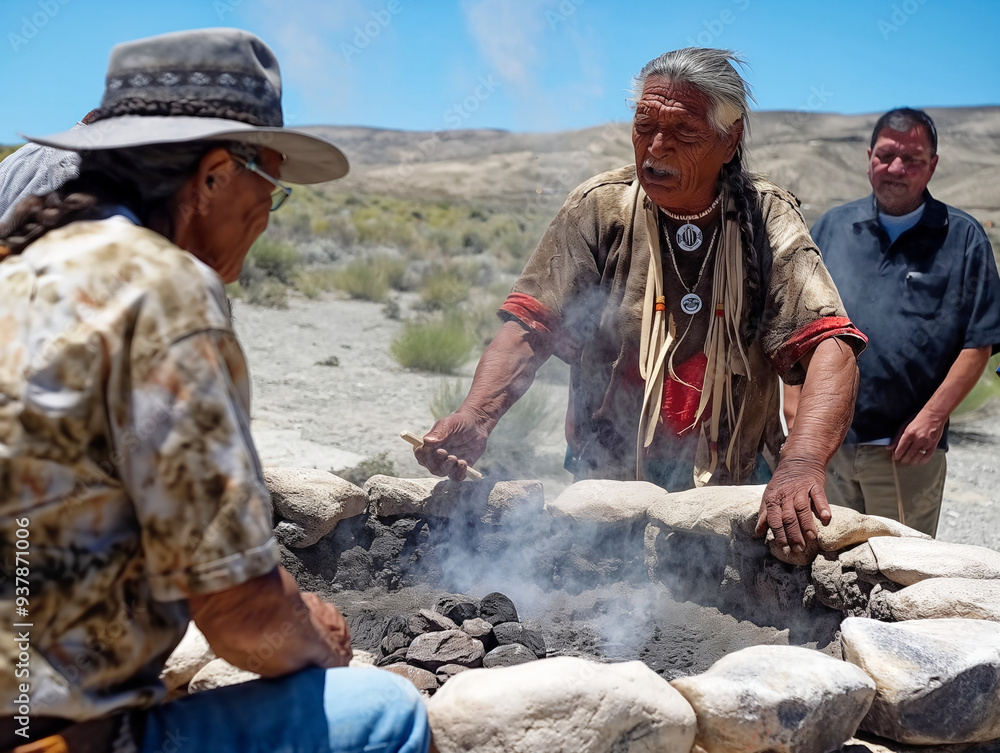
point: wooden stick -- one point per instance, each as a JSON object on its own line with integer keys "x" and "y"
{"x": 416, "y": 441}
{"x": 899, "y": 495}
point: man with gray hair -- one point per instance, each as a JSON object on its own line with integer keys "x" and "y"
{"x": 920, "y": 278}
{"x": 679, "y": 289}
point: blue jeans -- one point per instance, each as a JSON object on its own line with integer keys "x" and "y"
{"x": 342, "y": 710}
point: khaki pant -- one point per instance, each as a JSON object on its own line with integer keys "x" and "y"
{"x": 861, "y": 477}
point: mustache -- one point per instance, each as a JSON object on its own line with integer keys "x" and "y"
{"x": 661, "y": 167}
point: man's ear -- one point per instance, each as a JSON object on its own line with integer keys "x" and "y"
{"x": 195, "y": 196}
{"x": 214, "y": 172}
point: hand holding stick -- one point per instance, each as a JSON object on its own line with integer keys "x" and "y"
{"x": 416, "y": 441}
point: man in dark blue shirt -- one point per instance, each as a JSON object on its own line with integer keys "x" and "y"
{"x": 919, "y": 278}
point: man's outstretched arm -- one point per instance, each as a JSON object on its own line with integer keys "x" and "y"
{"x": 823, "y": 416}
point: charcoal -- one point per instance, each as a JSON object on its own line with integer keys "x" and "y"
{"x": 482, "y": 631}
{"x": 434, "y": 650}
{"x": 427, "y": 621}
{"x": 458, "y": 608}
{"x": 508, "y": 656}
{"x": 393, "y": 642}
{"x": 514, "y": 632}
{"x": 394, "y": 658}
{"x": 496, "y": 608}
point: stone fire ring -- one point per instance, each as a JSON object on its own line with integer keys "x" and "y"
{"x": 919, "y": 634}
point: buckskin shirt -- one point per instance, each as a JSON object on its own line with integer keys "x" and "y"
{"x": 583, "y": 289}
{"x": 125, "y": 445}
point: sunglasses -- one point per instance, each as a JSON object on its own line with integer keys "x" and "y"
{"x": 280, "y": 193}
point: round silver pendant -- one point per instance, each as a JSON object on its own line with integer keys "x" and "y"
{"x": 689, "y": 237}
{"x": 691, "y": 304}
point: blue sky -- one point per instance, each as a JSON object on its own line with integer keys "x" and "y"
{"x": 523, "y": 65}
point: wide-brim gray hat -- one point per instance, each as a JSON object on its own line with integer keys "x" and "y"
{"x": 202, "y": 85}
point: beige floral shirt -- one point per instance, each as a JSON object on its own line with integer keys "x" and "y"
{"x": 126, "y": 464}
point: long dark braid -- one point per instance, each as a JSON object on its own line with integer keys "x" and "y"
{"x": 740, "y": 183}
{"x": 144, "y": 179}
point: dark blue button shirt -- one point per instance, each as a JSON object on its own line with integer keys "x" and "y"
{"x": 920, "y": 300}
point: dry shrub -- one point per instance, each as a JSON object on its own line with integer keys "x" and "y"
{"x": 312, "y": 282}
{"x": 269, "y": 293}
{"x": 370, "y": 279}
{"x": 443, "y": 290}
{"x": 511, "y": 451}
{"x": 270, "y": 258}
{"x": 439, "y": 347}
{"x": 379, "y": 464}
{"x": 984, "y": 399}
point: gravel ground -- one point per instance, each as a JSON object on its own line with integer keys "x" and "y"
{"x": 970, "y": 514}
{"x": 331, "y": 417}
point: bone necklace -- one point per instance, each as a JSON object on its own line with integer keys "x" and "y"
{"x": 691, "y": 303}
{"x": 689, "y": 235}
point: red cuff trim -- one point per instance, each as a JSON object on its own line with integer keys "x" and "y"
{"x": 807, "y": 337}
{"x": 535, "y": 315}
{"x": 531, "y": 312}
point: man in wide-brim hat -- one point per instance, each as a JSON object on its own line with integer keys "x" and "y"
{"x": 128, "y": 478}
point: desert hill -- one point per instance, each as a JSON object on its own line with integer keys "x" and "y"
{"x": 820, "y": 157}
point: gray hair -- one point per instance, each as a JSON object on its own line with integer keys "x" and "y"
{"x": 709, "y": 71}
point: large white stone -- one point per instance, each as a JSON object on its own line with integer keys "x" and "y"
{"x": 779, "y": 699}
{"x": 523, "y": 499}
{"x": 388, "y": 495}
{"x": 607, "y": 502}
{"x": 846, "y": 528}
{"x": 937, "y": 598}
{"x": 938, "y": 681}
{"x": 709, "y": 510}
{"x": 310, "y": 503}
{"x": 908, "y": 561}
{"x": 184, "y": 662}
{"x": 490, "y": 502}
{"x": 361, "y": 658}
{"x": 219, "y": 673}
{"x": 861, "y": 559}
{"x": 561, "y": 705}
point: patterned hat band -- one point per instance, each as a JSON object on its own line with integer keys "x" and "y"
{"x": 195, "y": 93}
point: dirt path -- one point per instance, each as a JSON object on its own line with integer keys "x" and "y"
{"x": 331, "y": 417}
